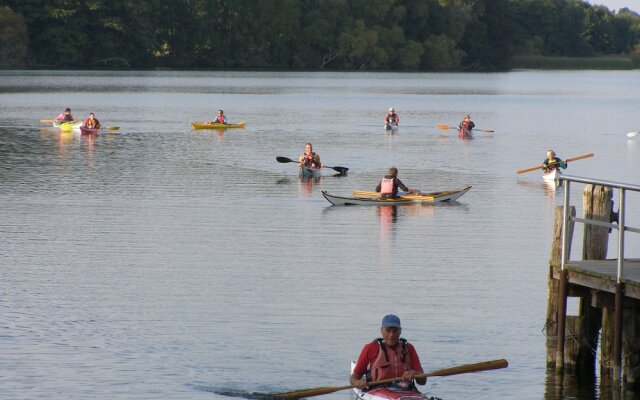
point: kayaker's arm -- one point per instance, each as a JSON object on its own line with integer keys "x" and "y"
{"x": 358, "y": 381}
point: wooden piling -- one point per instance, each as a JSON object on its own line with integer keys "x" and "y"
{"x": 551, "y": 327}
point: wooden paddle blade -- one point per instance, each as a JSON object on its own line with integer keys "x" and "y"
{"x": 468, "y": 368}
{"x": 484, "y": 130}
{"x": 284, "y": 159}
{"x": 445, "y": 127}
{"x": 298, "y": 394}
{"x": 47, "y": 121}
{"x": 579, "y": 157}
{"x": 112, "y": 128}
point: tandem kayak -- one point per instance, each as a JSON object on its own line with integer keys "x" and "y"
{"x": 373, "y": 198}
{"x": 216, "y": 125}
{"x": 67, "y": 126}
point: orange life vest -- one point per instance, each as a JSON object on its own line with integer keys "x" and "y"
{"x": 391, "y": 363}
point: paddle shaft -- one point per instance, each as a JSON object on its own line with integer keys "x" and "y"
{"x": 462, "y": 369}
{"x": 281, "y": 159}
{"x": 453, "y": 127}
{"x": 522, "y": 171}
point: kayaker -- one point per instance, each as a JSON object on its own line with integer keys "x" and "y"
{"x": 65, "y": 116}
{"x": 309, "y": 158}
{"x": 388, "y": 186}
{"x": 391, "y": 118}
{"x": 465, "y": 127}
{"x": 553, "y": 162}
{"x": 388, "y": 357}
{"x": 220, "y": 118}
{"x": 91, "y": 122}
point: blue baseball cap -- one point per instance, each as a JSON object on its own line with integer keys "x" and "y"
{"x": 391, "y": 321}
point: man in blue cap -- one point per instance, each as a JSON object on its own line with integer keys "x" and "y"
{"x": 388, "y": 357}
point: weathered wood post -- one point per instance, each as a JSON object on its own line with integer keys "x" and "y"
{"x": 580, "y": 352}
{"x": 553, "y": 287}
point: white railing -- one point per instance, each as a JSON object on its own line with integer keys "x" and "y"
{"x": 565, "y": 180}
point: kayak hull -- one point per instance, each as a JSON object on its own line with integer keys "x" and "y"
{"x": 374, "y": 199}
{"x": 89, "y": 131}
{"x": 388, "y": 393}
{"x": 216, "y": 125}
{"x": 465, "y": 133}
{"x": 67, "y": 126}
{"x": 551, "y": 175}
{"x": 308, "y": 172}
{"x": 389, "y": 127}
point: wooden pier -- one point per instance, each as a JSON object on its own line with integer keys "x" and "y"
{"x": 607, "y": 291}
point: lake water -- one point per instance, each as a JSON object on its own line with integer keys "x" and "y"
{"x": 157, "y": 261}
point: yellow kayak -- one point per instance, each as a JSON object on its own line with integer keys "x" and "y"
{"x": 216, "y": 125}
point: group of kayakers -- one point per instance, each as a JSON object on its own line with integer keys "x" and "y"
{"x": 392, "y": 120}
{"x": 91, "y": 122}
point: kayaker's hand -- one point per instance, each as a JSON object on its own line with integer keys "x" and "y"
{"x": 408, "y": 375}
{"x": 362, "y": 383}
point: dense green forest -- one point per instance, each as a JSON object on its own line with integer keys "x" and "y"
{"x": 430, "y": 35}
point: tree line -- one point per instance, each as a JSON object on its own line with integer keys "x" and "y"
{"x": 426, "y": 35}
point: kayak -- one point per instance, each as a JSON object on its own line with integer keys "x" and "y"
{"x": 89, "y": 131}
{"x": 67, "y": 126}
{"x": 373, "y": 198}
{"x": 387, "y": 393}
{"x": 551, "y": 175}
{"x": 465, "y": 133}
{"x": 309, "y": 172}
{"x": 216, "y": 125}
{"x": 389, "y": 127}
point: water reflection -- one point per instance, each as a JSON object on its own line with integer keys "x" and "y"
{"x": 305, "y": 184}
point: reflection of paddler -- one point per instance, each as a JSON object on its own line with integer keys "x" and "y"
{"x": 388, "y": 215}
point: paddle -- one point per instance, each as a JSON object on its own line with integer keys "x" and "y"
{"x": 342, "y": 170}
{"x": 453, "y": 127}
{"x": 50, "y": 121}
{"x": 522, "y": 171}
{"x": 462, "y": 369}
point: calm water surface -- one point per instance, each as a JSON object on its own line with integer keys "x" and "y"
{"x": 161, "y": 262}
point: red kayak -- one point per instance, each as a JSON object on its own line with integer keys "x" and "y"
{"x": 89, "y": 131}
{"x": 465, "y": 133}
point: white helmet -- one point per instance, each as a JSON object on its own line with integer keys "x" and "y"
{"x": 392, "y": 110}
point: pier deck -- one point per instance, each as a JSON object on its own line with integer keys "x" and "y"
{"x": 601, "y": 275}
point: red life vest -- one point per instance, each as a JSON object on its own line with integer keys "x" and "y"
{"x": 309, "y": 160}
{"x": 391, "y": 363}
{"x": 386, "y": 186}
{"x": 221, "y": 119}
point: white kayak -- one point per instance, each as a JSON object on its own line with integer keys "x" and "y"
{"x": 374, "y": 198}
{"x": 551, "y": 175}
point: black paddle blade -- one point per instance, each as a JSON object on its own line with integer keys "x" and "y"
{"x": 284, "y": 159}
{"x": 342, "y": 170}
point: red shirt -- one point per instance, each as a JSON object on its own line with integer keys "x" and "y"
{"x": 370, "y": 352}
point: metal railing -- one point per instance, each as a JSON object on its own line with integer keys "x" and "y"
{"x": 565, "y": 180}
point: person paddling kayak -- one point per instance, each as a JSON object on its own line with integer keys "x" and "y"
{"x": 465, "y": 127}
{"x": 309, "y": 159}
{"x": 220, "y": 118}
{"x": 65, "y": 116}
{"x": 391, "y": 119}
{"x": 553, "y": 162}
{"x": 389, "y": 185}
{"x": 388, "y": 357}
{"x": 92, "y": 122}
